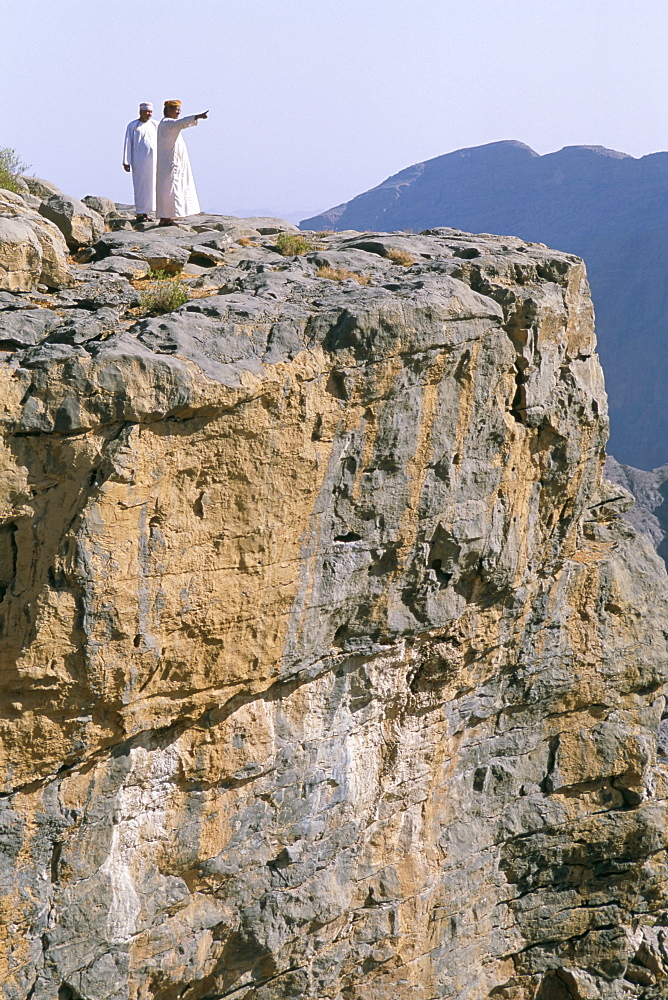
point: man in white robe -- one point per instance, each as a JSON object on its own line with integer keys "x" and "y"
{"x": 141, "y": 137}
{"x": 176, "y": 196}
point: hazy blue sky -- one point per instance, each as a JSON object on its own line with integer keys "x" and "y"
{"x": 314, "y": 101}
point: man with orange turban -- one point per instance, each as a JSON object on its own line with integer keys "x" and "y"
{"x": 176, "y": 196}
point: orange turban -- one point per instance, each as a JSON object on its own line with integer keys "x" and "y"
{"x": 172, "y": 104}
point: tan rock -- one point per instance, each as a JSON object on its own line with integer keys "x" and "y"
{"x": 20, "y": 255}
{"x": 54, "y": 271}
{"x": 323, "y": 674}
{"x": 55, "y": 268}
{"x": 79, "y": 224}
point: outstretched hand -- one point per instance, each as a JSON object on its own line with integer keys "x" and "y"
{"x": 205, "y": 114}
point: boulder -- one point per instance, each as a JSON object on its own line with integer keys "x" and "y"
{"x": 242, "y": 233}
{"x": 11, "y": 197}
{"x": 20, "y": 185}
{"x": 23, "y": 300}
{"x": 269, "y": 226}
{"x": 107, "y": 290}
{"x": 160, "y": 252}
{"x": 264, "y": 225}
{"x": 127, "y": 267}
{"x": 40, "y": 188}
{"x": 194, "y": 270}
{"x": 20, "y": 255}
{"x": 82, "y": 326}
{"x": 103, "y": 206}
{"x": 26, "y": 327}
{"x": 78, "y": 223}
{"x": 32, "y": 201}
{"x": 55, "y": 270}
{"x": 205, "y": 256}
{"x": 117, "y": 220}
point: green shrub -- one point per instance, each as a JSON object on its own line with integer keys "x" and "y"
{"x": 163, "y": 295}
{"x": 10, "y": 167}
{"x": 291, "y": 244}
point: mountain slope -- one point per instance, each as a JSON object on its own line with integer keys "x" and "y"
{"x": 607, "y": 207}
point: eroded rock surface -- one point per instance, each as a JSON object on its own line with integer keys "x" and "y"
{"x": 329, "y": 666}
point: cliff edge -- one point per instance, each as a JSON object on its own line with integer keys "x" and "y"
{"x": 329, "y": 668}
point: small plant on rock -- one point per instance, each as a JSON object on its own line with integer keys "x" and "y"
{"x": 163, "y": 294}
{"x": 157, "y": 275}
{"x": 291, "y": 244}
{"x": 341, "y": 274}
{"x": 400, "y": 257}
{"x": 10, "y": 167}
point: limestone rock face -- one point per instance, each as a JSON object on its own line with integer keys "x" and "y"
{"x": 103, "y": 206}
{"x": 32, "y": 249}
{"x": 79, "y": 224}
{"x": 40, "y": 188}
{"x": 20, "y": 255}
{"x": 649, "y": 514}
{"x": 329, "y": 666}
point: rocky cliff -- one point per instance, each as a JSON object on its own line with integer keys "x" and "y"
{"x": 649, "y": 513}
{"x": 605, "y": 206}
{"x": 329, "y": 669}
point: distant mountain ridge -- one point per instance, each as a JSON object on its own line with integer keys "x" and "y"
{"x": 608, "y": 207}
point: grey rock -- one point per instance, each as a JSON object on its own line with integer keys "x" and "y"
{"x": 46, "y": 354}
{"x": 32, "y": 201}
{"x": 26, "y": 326}
{"x": 78, "y": 223}
{"x": 103, "y": 206}
{"x": 331, "y": 666}
{"x": 205, "y": 256}
{"x": 12, "y": 300}
{"x": 194, "y": 270}
{"x": 40, "y": 188}
{"x": 81, "y": 327}
{"x": 576, "y": 199}
{"x": 127, "y": 267}
{"x": 21, "y": 186}
{"x": 269, "y": 226}
{"x": 107, "y": 290}
{"x": 649, "y": 514}
{"x": 259, "y": 225}
{"x": 13, "y": 197}
{"x": 116, "y": 222}
{"x": 156, "y": 247}
{"x": 215, "y": 241}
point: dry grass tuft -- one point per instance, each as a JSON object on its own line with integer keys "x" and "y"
{"x": 291, "y": 244}
{"x": 246, "y": 241}
{"x": 400, "y": 257}
{"x": 341, "y": 274}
